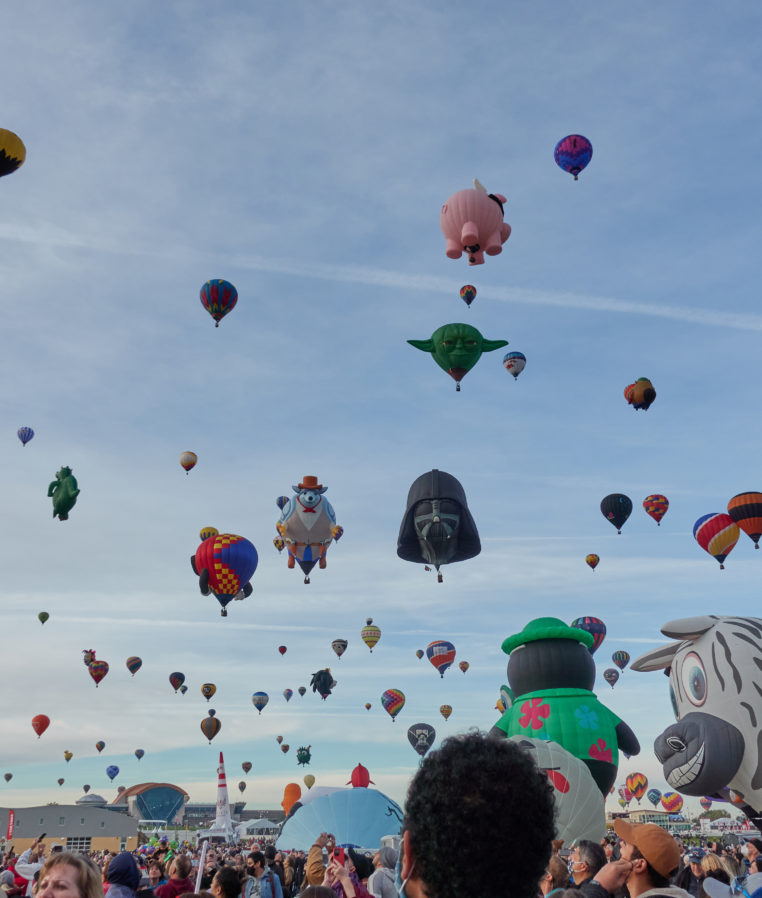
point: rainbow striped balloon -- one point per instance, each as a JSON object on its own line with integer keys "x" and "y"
{"x": 672, "y": 802}
{"x": 716, "y": 533}
{"x": 393, "y": 701}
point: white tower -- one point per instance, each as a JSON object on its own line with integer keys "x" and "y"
{"x": 222, "y": 823}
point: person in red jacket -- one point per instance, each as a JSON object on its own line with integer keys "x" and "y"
{"x": 178, "y": 882}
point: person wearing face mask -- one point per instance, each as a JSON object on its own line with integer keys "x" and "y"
{"x": 752, "y": 850}
{"x": 585, "y": 860}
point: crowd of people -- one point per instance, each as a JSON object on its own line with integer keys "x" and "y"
{"x": 479, "y": 821}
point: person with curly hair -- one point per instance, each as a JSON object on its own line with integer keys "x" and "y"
{"x": 471, "y": 801}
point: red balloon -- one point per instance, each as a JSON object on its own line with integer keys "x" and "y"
{"x": 40, "y": 723}
{"x": 97, "y": 670}
{"x": 282, "y": 649}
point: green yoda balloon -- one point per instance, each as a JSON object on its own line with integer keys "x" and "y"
{"x": 63, "y": 491}
{"x": 456, "y": 348}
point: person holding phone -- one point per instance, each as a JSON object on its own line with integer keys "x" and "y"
{"x": 344, "y": 882}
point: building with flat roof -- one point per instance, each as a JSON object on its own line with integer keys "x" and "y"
{"x": 76, "y": 827}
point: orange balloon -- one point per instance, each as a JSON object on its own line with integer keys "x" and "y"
{"x": 291, "y": 794}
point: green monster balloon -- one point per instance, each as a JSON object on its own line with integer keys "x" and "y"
{"x": 456, "y": 348}
{"x": 63, "y": 491}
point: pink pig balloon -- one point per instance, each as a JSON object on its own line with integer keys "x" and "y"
{"x": 472, "y": 221}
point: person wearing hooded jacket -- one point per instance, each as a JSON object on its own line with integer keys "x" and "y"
{"x": 123, "y": 876}
{"x": 381, "y": 881}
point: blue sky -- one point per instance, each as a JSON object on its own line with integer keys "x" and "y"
{"x": 303, "y": 152}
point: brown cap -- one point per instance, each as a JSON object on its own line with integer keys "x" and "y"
{"x": 655, "y": 844}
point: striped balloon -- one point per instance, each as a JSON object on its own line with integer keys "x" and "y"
{"x": 656, "y": 506}
{"x": 705, "y": 803}
{"x": 716, "y": 533}
{"x": 746, "y": 511}
{"x": 441, "y": 653}
{"x": 25, "y": 434}
{"x": 259, "y": 700}
{"x": 134, "y": 664}
{"x": 654, "y": 796}
{"x": 393, "y": 701}
{"x": 468, "y": 294}
{"x": 637, "y": 783}
{"x": 218, "y": 297}
{"x": 672, "y": 802}
{"x": 445, "y": 711}
{"x": 370, "y": 633}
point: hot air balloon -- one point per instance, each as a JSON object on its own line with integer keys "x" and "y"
{"x": 441, "y": 653}
{"x": 468, "y": 294}
{"x": 63, "y": 491}
{"x": 100, "y": 745}
{"x": 284, "y": 748}
{"x": 637, "y": 783}
{"x": 139, "y": 753}
{"x": 456, "y": 348}
{"x": 301, "y": 690}
{"x": 61, "y": 781}
{"x": 746, "y": 511}
{"x": 370, "y": 633}
{"x": 616, "y": 508}
{"x": 40, "y": 722}
{"x": 393, "y": 701}
{"x": 705, "y": 803}
{"x": 368, "y": 706}
{"x": 419, "y": 653}
{"x": 206, "y": 532}
{"x": 224, "y": 565}
{"x": 112, "y": 771}
{"x": 183, "y": 690}
{"x": 360, "y": 778}
{"x": 654, "y": 796}
{"x": 88, "y": 656}
{"x": 445, "y": 711}
{"x": 672, "y": 802}
{"x": 68, "y": 756}
{"x": 464, "y": 665}
{"x": 259, "y": 700}
{"x": 472, "y": 222}
{"x": 218, "y": 297}
{"x": 716, "y": 533}
{"x": 291, "y": 794}
{"x": 282, "y": 649}
{"x": 621, "y": 659}
{"x": 625, "y": 793}
{"x": 246, "y": 766}
{"x": 622, "y": 803}
{"x": 134, "y": 664}
{"x": 656, "y": 506}
{"x": 303, "y": 754}
{"x": 97, "y": 670}
{"x": 640, "y": 394}
{"x": 595, "y": 627}
{"x": 323, "y": 682}
{"x": 592, "y": 560}
{"x": 210, "y": 726}
{"x": 86, "y": 788}
{"x": 12, "y": 152}
{"x": 25, "y": 434}
{"x": 176, "y": 679}
{"x": 572, "y": 153}
{"x": 43, "y": 616}
{"x": 339, "y": 646}
{"x": 242, "y": 786}
{"x": 287, "y": 693}
{"x": 514, "y": 363}
{"x": 8, "y": 777}
{"x": 611, "y": 676}
{"x": 421, "y": 736}
{"x": 309, "y": 781}
{"x": 188, "y": 461}
{"x": 279, "y": 740}
{"x": 208, "y": 690}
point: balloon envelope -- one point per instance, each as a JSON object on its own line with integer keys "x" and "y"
{"x": 672, "y": 802}
{"x": 40, "y": 722}
{"x": 218, "y": 297}
{"x": 637, "y": 783}
{"x": 616, "y": 508}
{"x": 514, "y": 363}
{"x": 468, "y": 293}
{"x": 43, "y": 616}
{"x": 210, "y": 726}
{"x": 370, "y": 633}
{"x": 621, "y": 659}
{"x": 654, "y": 796}
{"x": 356, "y": 817}
{"x": 176, "y": 679}
{"x": 282, "y": 649}
{"x": 746, "y": 511}
{"x": 25, "y": 434}
{"x": 595, "y": 627}
{"x": 464, "y": 665}
{"x": 241, "y": 786}
{"x": 139, "y": 753}
{"x": 112, "y": 771}
{"x": 97, "y": 670}
{"x": 188, "y": 461}
{"x": 393, "y": 701}
{"x": 287, "y": 693}
{"x": 208, "y": 690}
{"x": 611, "y": 676}
{"x": 445, "y": 711}
{"x": 656, "y": 506}
{"x": 592, "y": 560}
{"x": 441, "y": 653}
{"x": 421, "y": 736}
{"x": 100, "y": 745}
{"x": 573, "y": 153}
{"x": 705, "y": 803}
{"x": 339, "y": 646}
{"x": 259, "y": 700}
{"x": 309, "y": 781}
{"x": 12, "y": 152}
{"x": 134, "y": 664}
{"x": 246, "y": 766}
{"x": 716, "y": 533}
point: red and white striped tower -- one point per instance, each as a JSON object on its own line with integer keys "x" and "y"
{"x": 222, "y": 822}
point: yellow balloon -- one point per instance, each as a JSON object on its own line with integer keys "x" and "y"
{"x": 309, "y": 781}
{"x": 206, "y": 532}
{"x": 12, "y": 152}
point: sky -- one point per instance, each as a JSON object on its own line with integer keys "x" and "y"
{"x": 303, "y": 151}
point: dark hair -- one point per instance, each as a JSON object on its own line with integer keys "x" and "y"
{"x": 183, "y": 866}
{"x": 656, "y": 879}
{"x": 591, "y": 854}
{"x": 257, "y": 857}
{"x": 229, "y": 881}
{"x": 470, "y": 786}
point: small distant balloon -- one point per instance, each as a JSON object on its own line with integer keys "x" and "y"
{"x": 279, "y": 740}
{"x": 441, "y": 654}
{"x": 43, "y": 616}
{"x": 368, "y": 706}
{"x": 183, "y": 689}
{"x": 259, "y": 700}
{"x": 595, "y": 627}
{"x": 100, "y": 745}
{"x": 284, "y": 748}
{"x": 339, "y": 646}
{"x": 176, "y": 679}
{"x": 616, "y": 508}
{"x": 445, "y": 711}
{"x": 206, "y": 532}
{"x": 654, "y": 796}
{"x": 309, "y": 780}
{"x": 514, "y": 363}
{"x": 301, "y": 690}
{"x": 282, "y": 649}
{"x": 208, "y": 690}
{"x": 188, "y": 461}
{"x": 246, "y": 766}
{"x": 61, "y": 781}
{"x": 370, "y": 633}
{"x": 393, "y": 701}
{"x": 134, "y": 664}
{"x": 464, "y": 665}
{"x": 468, "y": 294}
{"x": 611, "y": 676}
{"x": 419, "y": 653}
{"x": 112, "y": 771}
{"x": 656, "y": 506}
{"x": 573, "y": 153}
{"x": 12, "y": 152}
{"x": 139, "y": 753}
{"x": 746, "y": 511}
{"x": 86, "y": 788}
{"x": 705, "y": 803}
{"x": 25, "y": 434}
{"x": 210, "y": 726}
{"x": 40, "y": 722}
{"x": 421, "y": 736}
{"x": 242, "y": 786}
{"x": 621, "y": 659}
{"x": 8, "y": 777}
{"x": 97, "y": 670}
{"x": 287, "y": 693}
{"x": 218, "y": 297}
{"x": 592, "y": 560}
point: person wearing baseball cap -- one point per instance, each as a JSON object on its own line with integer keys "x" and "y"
{"x": 654, "y": 856}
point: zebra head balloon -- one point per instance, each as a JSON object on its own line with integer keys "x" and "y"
{"x": 715, "y": 748}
